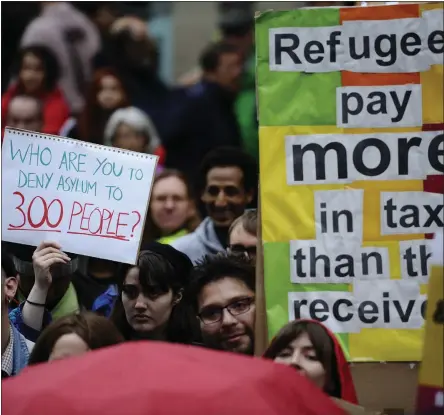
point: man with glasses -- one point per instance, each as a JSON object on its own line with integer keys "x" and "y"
{"x": 242, "y": 236}
{"x": 222, "y": 292}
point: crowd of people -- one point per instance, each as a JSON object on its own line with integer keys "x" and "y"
{"x": 94, "y": 78}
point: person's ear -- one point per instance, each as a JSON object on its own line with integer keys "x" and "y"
{"x": 11, "y": 284}
{"x": 249, "y": 196}
{"x": 177, "y": 297}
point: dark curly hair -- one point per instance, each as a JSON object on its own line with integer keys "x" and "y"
{"x": 216, "y": 267}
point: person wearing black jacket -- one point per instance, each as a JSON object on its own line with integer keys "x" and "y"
{"x": 202, "y": 116}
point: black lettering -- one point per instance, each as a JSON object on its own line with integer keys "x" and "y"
{"x": 335, "y": 310}
{"x": 400, "y": 106}
{"x": 406, "y": 44}
{"x": 299, "y": 257}
{"x": 358, "y": 158}
{"x": 347, "y": 269}
{"x": 333, "y": 42}
{"x": 404, "y": 146}
{"x": 409, "y": 257}
{"x": 348, "y": 217}
{"x": 390, "y": 53}
{"x": 433, "y": 213}
{"x": 279, "y": 49}
{"x": 436, "y": 38}
{"x": 438, "y": 315}
{"x": 320, "y": 154}
{"x": 365, "y": 49}
{"x": 314, "y": 259}
{"x": 379, "y": 105}
{"x": 362, "y": 312}
{"x": 404, "y": 316}
{"x": 324, "y": 227}
{"x": 424, "y": 257}
{"x": 297, "y": 308}
{"x": 386, "y": 307}
{"x": 312, "y": 48}
{"x": 411, "y": 219}
{"x": 365, "y": 260}
{"x": 346, "y": 110}
{"x": 390, "y": 208}
{"x": 314, "y": 310}
{"x": 424, "y": 309}
{"x": 436, "y": 150}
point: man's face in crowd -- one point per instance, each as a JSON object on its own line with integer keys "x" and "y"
{"x": 242, "y": 242}
{"x": 234, "y": 333}
{"x": 229, "y": 71}
{"x": 24, "y": 113}
{"x": 224, "y": 196}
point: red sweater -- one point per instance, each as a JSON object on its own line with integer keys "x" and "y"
{"x": 55, "y": 109}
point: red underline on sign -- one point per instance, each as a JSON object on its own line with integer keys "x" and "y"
{"x": 34, "y": 230}
{"x": 120, "y": 238}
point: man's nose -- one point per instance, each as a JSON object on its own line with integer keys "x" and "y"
{"x": 221, "y": 199}
{"x": 169, "y": 204}
{"x": 228, "y": 319}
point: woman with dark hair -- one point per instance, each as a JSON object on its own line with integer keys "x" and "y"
{"x": 105, "y": 94}
{"x": 314, "y": 352}
{"x": 73, "y": 335}
{"x": 37, "y": 75}
{"x": 149, "y": 303}
{"x": 172, "y": 211}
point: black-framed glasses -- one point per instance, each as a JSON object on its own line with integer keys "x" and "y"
{"x": 211, "y": 315}
{"x": 241, "y": 250}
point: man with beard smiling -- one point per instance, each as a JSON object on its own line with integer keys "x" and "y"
{"x": 227, "y": 183}
{"x": 222, "y": 293}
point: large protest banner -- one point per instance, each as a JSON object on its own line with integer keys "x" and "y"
{"x": 91, "y": 199}
{"x": 351, "y": 169}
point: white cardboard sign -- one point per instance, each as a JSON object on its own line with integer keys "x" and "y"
{"x": 91, "y": 199}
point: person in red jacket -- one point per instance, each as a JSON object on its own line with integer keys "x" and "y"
{"x": 37, "y": 75}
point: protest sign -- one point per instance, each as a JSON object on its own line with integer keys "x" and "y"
{"x": 430, "y": 397}
{"x": 351, "y": 124}
{"x": 91, "y": 199}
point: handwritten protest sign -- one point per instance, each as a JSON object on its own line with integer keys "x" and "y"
{"x": 91, "y": 199}
{"x": 351, "y": 169}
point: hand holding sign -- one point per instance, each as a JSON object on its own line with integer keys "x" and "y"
{"x": 46, "y": 255}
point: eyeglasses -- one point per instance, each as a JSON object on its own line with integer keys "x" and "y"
{"x": 241, "y": 250}
{"x": 213, "y": 315}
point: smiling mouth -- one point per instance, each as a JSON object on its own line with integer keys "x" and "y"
{"x": 233, "y": 338}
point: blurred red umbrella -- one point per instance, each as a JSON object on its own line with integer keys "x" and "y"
{"x": 153, "y": 378}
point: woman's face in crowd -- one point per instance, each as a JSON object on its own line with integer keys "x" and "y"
{"x": 31, "y": 74}
{"x": 170, "y": 204}
{"x": 301, "y": 355}
{"x": 127, "y": 138}
{"x": 145, "y": 311}
{"x": 110, "y": 95}
{"x": 68, "y": 345}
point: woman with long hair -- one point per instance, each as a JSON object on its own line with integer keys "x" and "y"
{"x": 172, "y": 212}
{"x": 37, "y": 74}
{"x": 149, "y": 301}
{"x": 105, "y": 95}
